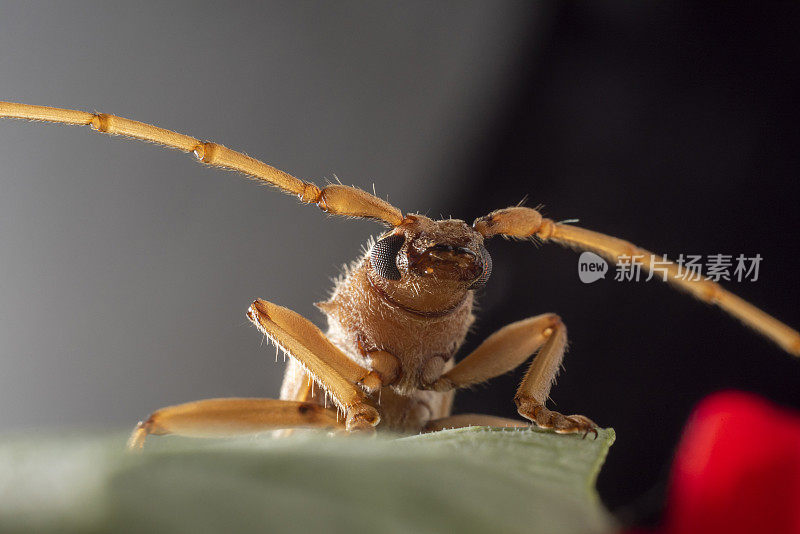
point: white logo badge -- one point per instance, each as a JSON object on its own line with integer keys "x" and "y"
{"x": 591, "y": 267}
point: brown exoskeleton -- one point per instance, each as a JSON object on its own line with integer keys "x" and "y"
{"x": 398, "y": 315}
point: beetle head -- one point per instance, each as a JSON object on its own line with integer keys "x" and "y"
{"x": 429, "y": 265}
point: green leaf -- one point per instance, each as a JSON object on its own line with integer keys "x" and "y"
{"x": 464, "y": 480}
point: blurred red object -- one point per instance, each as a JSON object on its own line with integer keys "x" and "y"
{"x": 737, "y": 469}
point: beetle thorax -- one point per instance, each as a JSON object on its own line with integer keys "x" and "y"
{"x": 363, "y": 317}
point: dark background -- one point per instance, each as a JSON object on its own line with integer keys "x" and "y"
{"x": 126, "y": 270}
{"x": 677, "y": 128}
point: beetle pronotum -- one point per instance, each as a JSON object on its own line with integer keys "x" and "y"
{"x": 398, "y": 316}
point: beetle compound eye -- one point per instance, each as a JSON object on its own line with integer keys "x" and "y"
{"x": 487, "y": 270}
{"x": 384, "y": 256}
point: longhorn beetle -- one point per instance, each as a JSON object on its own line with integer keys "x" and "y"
{"x": 398, "y": 315}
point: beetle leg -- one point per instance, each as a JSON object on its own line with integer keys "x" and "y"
{"x": 341, "y": 377}
{"x": 232, "y": 417}
{"x": 507, "y": 349}
{"x": 503, "y": 351}
{"x": 535, "y": 387}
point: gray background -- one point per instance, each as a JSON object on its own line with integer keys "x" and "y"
{"x": 126, "y": 269}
